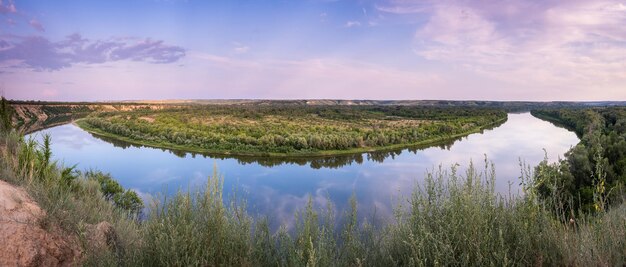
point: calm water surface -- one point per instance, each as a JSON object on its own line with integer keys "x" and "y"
{"x": 277, "y": 188}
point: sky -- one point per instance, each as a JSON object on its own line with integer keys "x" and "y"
{"x": 87, "y": 50}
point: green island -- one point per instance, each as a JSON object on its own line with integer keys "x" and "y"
{"x": 290, "y": 130}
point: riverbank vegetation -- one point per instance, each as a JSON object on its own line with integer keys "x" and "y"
{"x": 451, "y": 218}
{"x": 292, "y": 130}
{"x": 593, "y": 173}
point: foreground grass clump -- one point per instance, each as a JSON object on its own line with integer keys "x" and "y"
{"x": 197, "y": 229}
{"x": 450, "y": 218}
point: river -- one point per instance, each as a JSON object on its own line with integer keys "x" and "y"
{"x": 277, "y": 188}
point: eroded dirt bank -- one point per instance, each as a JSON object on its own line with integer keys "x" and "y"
{"x": 25, "y": 240}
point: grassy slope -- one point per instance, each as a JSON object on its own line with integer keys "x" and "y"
{"x": 427, "y": 142}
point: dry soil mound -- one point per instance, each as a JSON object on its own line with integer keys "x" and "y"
{"x": 23, "y": 241}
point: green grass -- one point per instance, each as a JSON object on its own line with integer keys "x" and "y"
{"x": 451, "y": 219}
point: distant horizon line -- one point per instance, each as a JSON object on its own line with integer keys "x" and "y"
{"x": 191, "y": 100}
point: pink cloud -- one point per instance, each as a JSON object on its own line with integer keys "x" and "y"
{"x": 545, "y": 44}
{"x": 8, "y": 7}
{"x": 36, "y": 25}
{"x": 39, "y": 53}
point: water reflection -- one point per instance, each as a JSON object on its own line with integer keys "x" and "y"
{"x": 277, "y": 187}
{"x": 38, "y": 125}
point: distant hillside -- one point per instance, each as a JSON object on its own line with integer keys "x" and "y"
{"x": 336, "y": 102}
{"x": 34, "y": 115}
{"x": 507, "y": 105}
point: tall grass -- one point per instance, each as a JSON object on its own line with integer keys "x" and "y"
{"x": 197, "y": 229}
{"x": 451, "y": 218}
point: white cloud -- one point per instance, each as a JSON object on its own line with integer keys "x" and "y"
{"x": 323, "y": 17}
{"x": 402, "y": 9}
{"x": 351, "y": 24}
{"x": 240, "y": 48}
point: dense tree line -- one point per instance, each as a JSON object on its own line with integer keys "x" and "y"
{"x": 593, "y": 172}
{"x": 293, "y": 129}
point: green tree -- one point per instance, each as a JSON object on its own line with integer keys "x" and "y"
{"x": 6, "y": 115}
